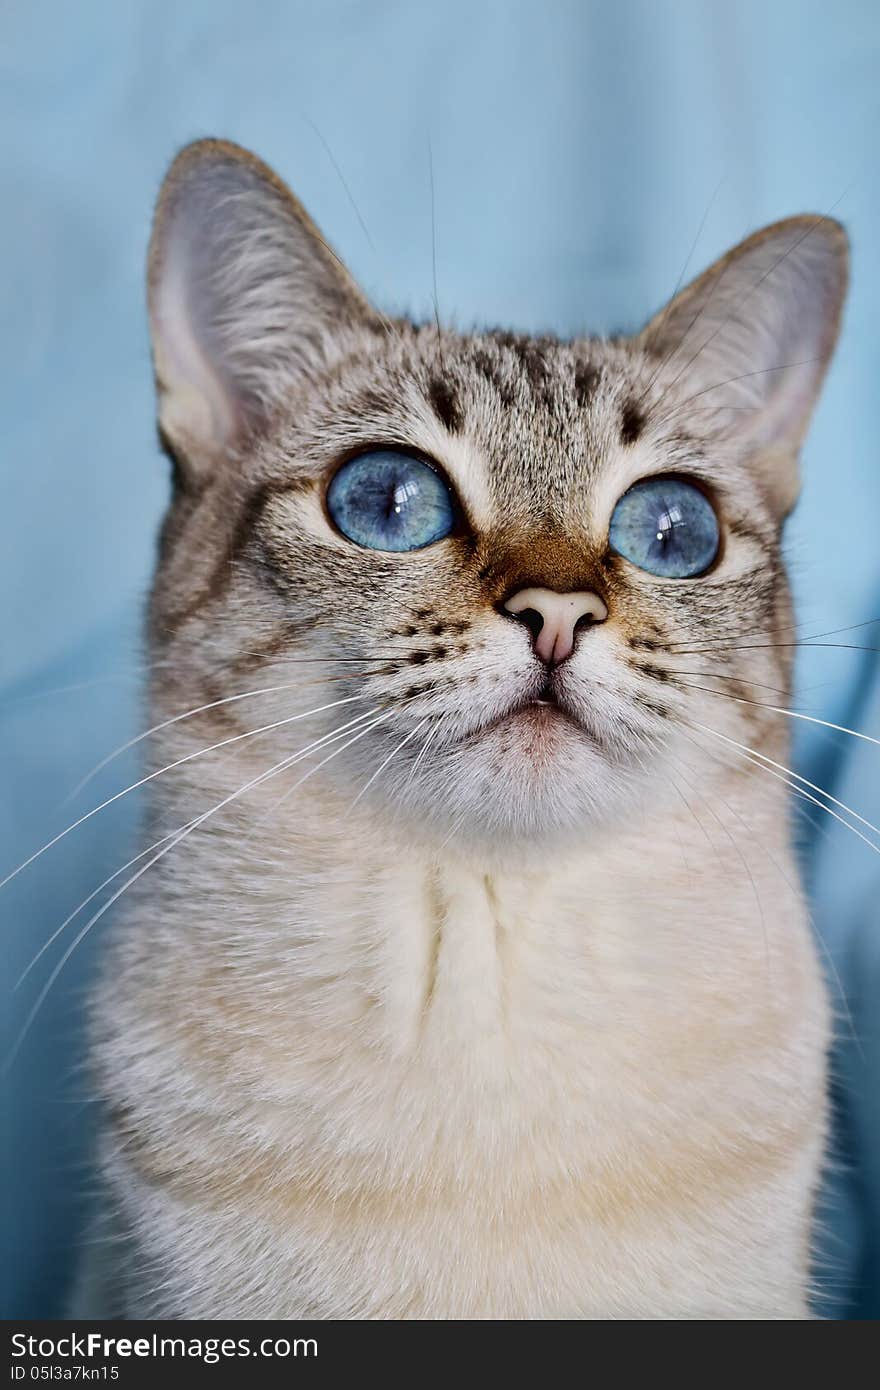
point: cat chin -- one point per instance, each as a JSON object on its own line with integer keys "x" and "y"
{"x": 537, "y": 731}
{"x": 530, "y": 778}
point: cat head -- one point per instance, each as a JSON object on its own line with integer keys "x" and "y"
{"x": 531, "y": 571}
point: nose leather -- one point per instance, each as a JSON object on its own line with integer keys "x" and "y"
{"x": 560, "y": 614}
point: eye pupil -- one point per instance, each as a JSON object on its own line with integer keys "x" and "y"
{"x": 389, "y": 500}
{"x": 667, "y": 527}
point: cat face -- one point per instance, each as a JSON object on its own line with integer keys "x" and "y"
{"x": 531, "y": 571}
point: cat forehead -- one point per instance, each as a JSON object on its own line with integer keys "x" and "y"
{"x": 523, "y": 425}
{"x": 501, "y": 380}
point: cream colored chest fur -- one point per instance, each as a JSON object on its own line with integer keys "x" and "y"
{"x": 589, "y": 1088}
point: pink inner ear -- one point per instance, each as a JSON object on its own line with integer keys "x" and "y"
{"x": 195, "y": 401}
{"x": 244, "y": 294}
{"x": 755, "y": 332}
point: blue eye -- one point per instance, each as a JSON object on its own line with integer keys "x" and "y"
{"x": 667, "y": 527}
{"x": 390, "y": 501}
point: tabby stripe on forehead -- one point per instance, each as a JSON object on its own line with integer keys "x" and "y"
{"x": 532, "y": 355}
{"x": 489, "y": 365}
{"x": 632, "y": 423}
{"x": 586, "y": 383}
{"x": 446, "y": 404}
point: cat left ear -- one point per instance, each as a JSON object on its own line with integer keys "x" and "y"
{"x": 244, "y": 295}
{"x": 750, "y": 339}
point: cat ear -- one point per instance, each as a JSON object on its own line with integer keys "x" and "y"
{"x": 244, "y": 295}
{"x": 751, "y": 338}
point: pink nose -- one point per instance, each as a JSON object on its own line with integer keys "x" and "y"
{"x": 552, "y": 619}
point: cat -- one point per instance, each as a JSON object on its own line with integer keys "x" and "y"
{"x": 472, "y": 978}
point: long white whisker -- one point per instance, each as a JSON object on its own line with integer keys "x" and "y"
{"x": 382, "y": 766}
{"x": 420, "y": 756}
{"x": 273, "y": 810}
{"x": 745, "y": 865}
{"x": 728, "y": 676}
{"x": 85, "y": 902}
{"x": 324, "y": 761}
{"x": 785, "y": 774}
{"x": 175, "y": 719}
{"x": 829, "y": 959}
{"x": 183, "y": 834}
{"x": 320, "y": 742}
{"x": 142, "y": 782}
{"x": 777, "y": 709}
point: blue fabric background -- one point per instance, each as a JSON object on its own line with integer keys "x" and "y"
{"x": 577, "y": 144}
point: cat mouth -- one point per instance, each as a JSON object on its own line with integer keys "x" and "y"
{"x": 545, "y": 698}
{"x": 543, "y": 709}
{"x": 535, "y": 713}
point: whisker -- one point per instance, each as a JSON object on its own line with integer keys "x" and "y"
{"x": 829, "y": 959}
{"x": 179, "y": 762}
{"x": 434, "y": 256}
{"x": 326, "y": 738}
{"x": 791, "y": 627}
{"x": 730, "y": 381}
{"x": 80, "y": 936}
{"x": 678, "y": 284}
{"x": 420, "y": 756}
{"x": 752, "y": 755}
{"x": 687, "y": 332}
{"x": 15, "y": 700}
{"x": 743, "y": 300}
{"x": 700, "y": 826}
{"x": 317, "y": 768}
{"x": 678, "y": 835}
{"x": 381, "y": 768}
{"x": 295, "y": 660}
{"x": 833, "y": 632}
{"x": 745, "y": 865}
{"x": 729, "y": 676}
{"x": 339, "y": 174}
{"x": 183, "y": 834}
{"x": 274, "y": 809}
{"x": 740, "y": 409}
{"x": 85, "y": 902}
{"x": 803, "y": 645}
{"x": 201, "y": 709}
{"x": 777, "y": 709}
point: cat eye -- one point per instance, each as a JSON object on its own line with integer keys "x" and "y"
{"x": 386, "y": 500}
{"x": 667, "y": 527}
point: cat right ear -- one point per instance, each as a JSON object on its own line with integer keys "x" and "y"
{"x": 751, "y": 338}
{"x": 244, "y": 297}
